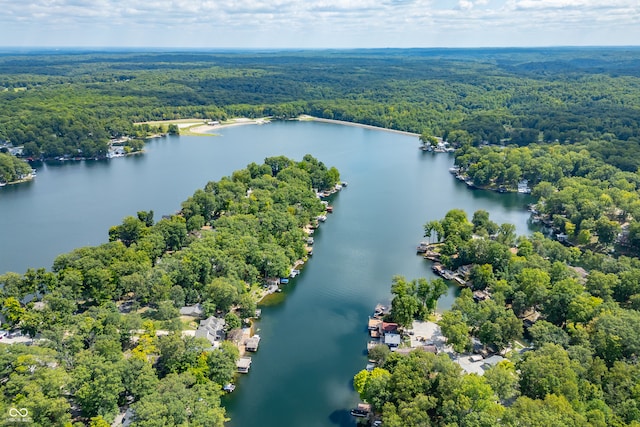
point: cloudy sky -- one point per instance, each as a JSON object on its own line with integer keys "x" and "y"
{"x": 318, "y": 23}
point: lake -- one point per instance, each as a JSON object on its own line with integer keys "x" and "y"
{"x": 314, "y": 333}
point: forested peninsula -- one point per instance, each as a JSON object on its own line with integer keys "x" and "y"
{"x": 561, "y": 307}
{"x": 578, "y": 310}
{"x": 101, "y": 332}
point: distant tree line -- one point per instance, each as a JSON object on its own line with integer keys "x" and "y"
{"x": 70, "y": 104}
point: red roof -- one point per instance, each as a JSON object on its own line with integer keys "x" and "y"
{"x": 389, "y": 327}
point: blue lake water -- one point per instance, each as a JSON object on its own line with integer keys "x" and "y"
{"x": 315, "y": 335}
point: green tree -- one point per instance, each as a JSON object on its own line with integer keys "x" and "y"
{"x": 232, "y": 321}
{"x": 456, "y": 330}
{"x": 548, "y": 370}
{"x": 222, "y": 363}
{"x": 503, "y": 379}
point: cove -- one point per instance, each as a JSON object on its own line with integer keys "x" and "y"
{"x": 314, "y": 338}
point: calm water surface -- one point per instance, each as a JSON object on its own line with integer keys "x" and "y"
{"x": 314, "y": 336}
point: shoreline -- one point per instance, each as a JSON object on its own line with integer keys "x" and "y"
{"x": 19, "y": 181}
{"x": 198, "y": 127}
{"x": 306, "y": 117}
{"x": 205, "y": 129}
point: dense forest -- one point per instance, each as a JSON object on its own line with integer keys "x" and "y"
{"x": 73, "y": 102}
{"x": 587, "y": 191}
{"x": 12, "y": 169}
{"x": 105, "y": 319}
{"x": 104, "y": 322}
{"x": 581, "y": 369}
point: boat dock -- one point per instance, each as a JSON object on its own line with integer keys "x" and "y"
{"x": 243, "y": 365}
{"x": 252, "y": 343}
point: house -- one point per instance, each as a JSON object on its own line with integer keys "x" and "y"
{"x": 530, "y": 318}
{"x": 243, "y": 365}
{"x": 392, "y": 340}
{"x": 212, "y": 329}
{"x": 388, "y": 327}
{"x": 192, "y": 310}
{"x": 389, "y": 332}
{"x": 492, "y": 361}
{"x": 481, "y": 295}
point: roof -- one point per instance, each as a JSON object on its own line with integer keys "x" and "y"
{"x": 392, "y": 339}
{"x": 191, "y": 310}
{"x": 244, "y": 362}
{"x": 212, "y": 329}
{"x": 389, "y": 327}
{"x": 364, "y": 407}
{"x": 253, "y": 341}
{"x": 493, "y": 360}
{"x": 374, "y": 323}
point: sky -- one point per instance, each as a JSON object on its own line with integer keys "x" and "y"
{"x": 318, "y": 23}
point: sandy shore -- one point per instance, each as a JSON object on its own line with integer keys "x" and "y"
{"x": 203, "y": 129}
{"x": 197, "y": 126}
{"x": 360, "y": 125}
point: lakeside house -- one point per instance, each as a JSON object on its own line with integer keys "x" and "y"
{"x": 212, "y": 329}
{"x": 392, "y": 340}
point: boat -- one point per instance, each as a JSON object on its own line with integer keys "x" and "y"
{"x": 362, "y": 410}
{"x": 322, "y": 218}
{"x": 229, "y": 387}
{"x": 422, "y": 247}
{"x": 294, "y": 273}
{"x": 330, "y": 209}
{"x": 284, "y": 280}
{"x": 344, "y": 183}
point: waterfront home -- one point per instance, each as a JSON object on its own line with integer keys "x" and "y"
{"x": 523, "y": 187}
{"x": 388, "y": 327}
{"x": 392, "y": 340}
{"x": 212, "y": 329}
{"x": 243, "y": 364}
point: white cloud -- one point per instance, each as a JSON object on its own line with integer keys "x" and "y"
{"x": 318, "y": 23}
